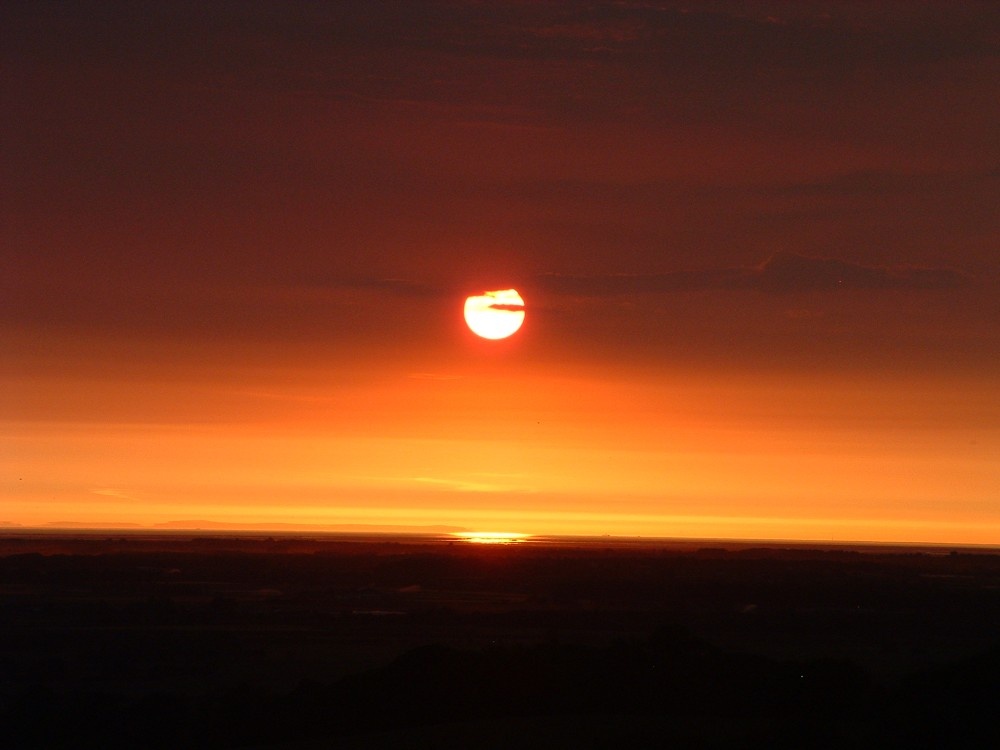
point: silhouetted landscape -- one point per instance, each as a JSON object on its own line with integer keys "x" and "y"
{"x": 196, "y": 640}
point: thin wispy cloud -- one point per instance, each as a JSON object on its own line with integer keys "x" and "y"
{"x": 466, "y": 485}
{"x": 113, "y": 492}
{"x": 781, "y": 273}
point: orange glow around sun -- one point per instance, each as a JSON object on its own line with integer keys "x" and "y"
{"x": 531, "y": 448}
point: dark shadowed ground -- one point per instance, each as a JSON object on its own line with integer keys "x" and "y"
{"x": 182, "y": 640}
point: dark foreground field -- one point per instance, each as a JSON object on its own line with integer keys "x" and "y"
{"x": 192, "y": 641}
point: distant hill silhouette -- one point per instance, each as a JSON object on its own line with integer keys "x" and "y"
{"x": 734, "y": 700}
{"x": 233, "y": 641}
{"x": 202, "y": 524}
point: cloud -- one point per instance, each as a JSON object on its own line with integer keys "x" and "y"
{"x": 433, "y": 376}
{"x": 616, "y": 284}
{"x": 460, "y": 485}
{"x": 781, "y": 273}
{"x": 789, "y": 272}
{"x": 399, "y": 286}
{"x": 434, "y": 40}
{"x": 112, "y": 492}
{"x": 868, "y": 183}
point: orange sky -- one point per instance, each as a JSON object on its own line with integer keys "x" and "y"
{"x": 757, "y": 250}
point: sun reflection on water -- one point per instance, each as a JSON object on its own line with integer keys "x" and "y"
{"x": 491, "y": 537}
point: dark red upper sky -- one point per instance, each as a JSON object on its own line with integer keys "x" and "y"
{"x": 224, "y": 171}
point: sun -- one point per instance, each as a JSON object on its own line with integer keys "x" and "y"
{"x": 495, "y": 315}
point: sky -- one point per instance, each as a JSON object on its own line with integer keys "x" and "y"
{"x": 757, "y": 245}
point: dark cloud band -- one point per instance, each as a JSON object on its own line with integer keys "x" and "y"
{"x": 781, "y": 273}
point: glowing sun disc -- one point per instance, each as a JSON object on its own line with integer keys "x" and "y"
{"x": 495, "y": 315}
